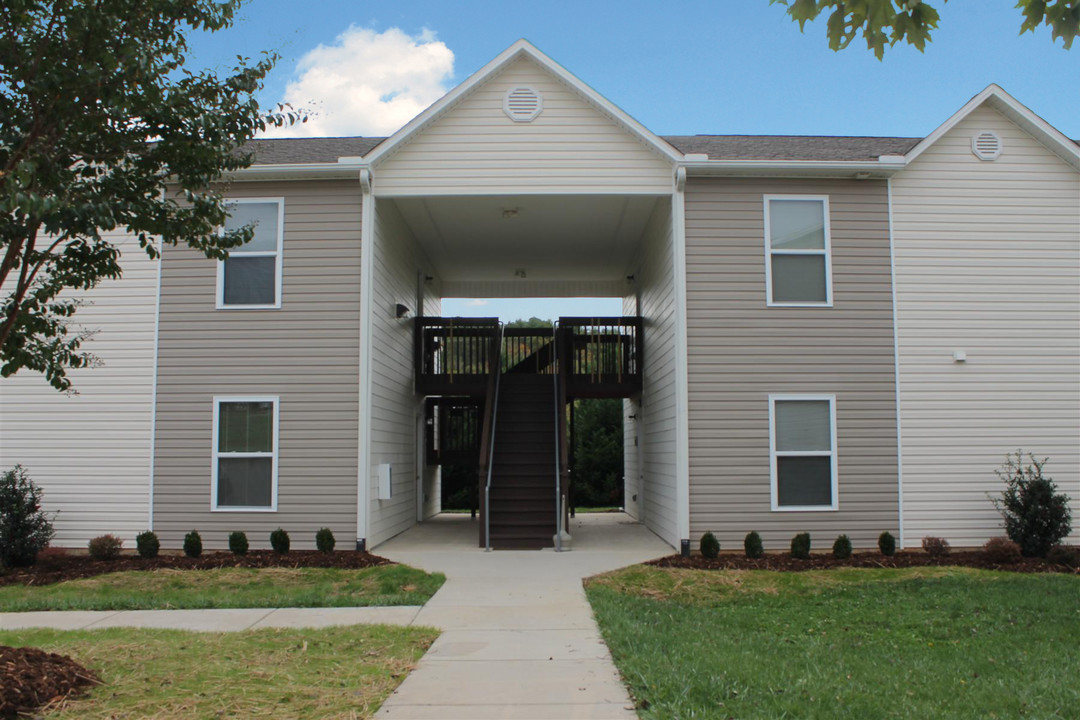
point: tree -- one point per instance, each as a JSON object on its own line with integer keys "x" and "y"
{"x": 890, "y": 21}
{"x": 103, "y": 128}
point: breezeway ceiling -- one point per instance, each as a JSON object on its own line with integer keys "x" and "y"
{"x": 550, "y": 237}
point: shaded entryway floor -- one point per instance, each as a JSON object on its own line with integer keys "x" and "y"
{"x": 519, "y": 639}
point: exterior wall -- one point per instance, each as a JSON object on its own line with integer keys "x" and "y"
{"x": 988, "y": 262}
{"x": 476, "y": 149}
{"x": 395, "y": 408}
{"x": 90, "y": 452}
{"x": 656, "y": 407}
{"x": 306, "y": 352}
{"x": 741, "y": 351}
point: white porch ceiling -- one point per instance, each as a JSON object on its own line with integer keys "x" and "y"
{"x": 576, "y": 240}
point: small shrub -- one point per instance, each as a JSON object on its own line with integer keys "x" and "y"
{"x": 1066, "y": 555}
{"x": 105, "y": 547}
{"x": 1001, "y": 551}
{"x": 238, "y": 542}
{"x": 279, "y": 540}
{"x": 752, "y": 545}
{"x": 193, "y": 544}
{"x": 324, "y": 540}
{"x": 1036, "y": 515}
{"x": 935, "y": 546}
{"x": 25, "y": 529}
{"x": 800, "y": 546}
{"x": 147, "y": 544}
{"x": 710, "y": 546}
{"x": 841, "y": 549}
{"x": 886, "y": 544}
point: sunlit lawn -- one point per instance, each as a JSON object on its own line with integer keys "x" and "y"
{"x": 340, "y": 672}
{"x": 229, "y": 588}
{"x": 853, "y": 643}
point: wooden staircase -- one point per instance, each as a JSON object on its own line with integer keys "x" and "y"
{"x": 523, "y": 475}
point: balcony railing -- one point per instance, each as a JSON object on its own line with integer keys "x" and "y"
{"x": 601, "y": 357}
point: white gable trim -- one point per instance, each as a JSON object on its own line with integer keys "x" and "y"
{"x": 1010, "y": 107}
{"x": 522, "y": 48}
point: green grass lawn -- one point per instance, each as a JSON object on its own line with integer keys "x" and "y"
{"x": 853, "y": 643}
{"x": 340, "y": 672}
{"x": 229, "y": 588}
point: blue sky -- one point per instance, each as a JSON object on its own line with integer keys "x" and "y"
{"x": 679, "y": 67}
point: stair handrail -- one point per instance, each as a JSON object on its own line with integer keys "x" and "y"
{"x": 491, "y": 414}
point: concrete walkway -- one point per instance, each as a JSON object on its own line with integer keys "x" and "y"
{"x": 211, "y": 620}
{"x": 519, "y": 639}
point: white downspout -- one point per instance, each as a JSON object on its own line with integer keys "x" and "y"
{"x": 682, "y": 381}
{"x": 367, "y": 294}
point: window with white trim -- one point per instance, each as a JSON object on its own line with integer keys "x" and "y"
{"x": 245, "y": 454}
{"x": 251, "y": 276}
{"x": 802, "y": 452}
{"x": 798, "y": 262}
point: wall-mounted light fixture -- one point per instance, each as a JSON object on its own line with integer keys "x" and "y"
{"x": 520, "y": 273}
{"x": 400, "y": 311}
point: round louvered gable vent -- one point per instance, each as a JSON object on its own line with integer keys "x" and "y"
{"x": 523, "y": 104}
{"x": 986, "y": 145}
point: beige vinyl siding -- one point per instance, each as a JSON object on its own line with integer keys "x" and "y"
{"x": 741, "y": 351}
{"x": 90, "y": 452}
{"x": 988, "y": 262}
{"x": 474, "y": 148}
{"x": 394, "y": 405}
{"x": 306, "y": 353}
{"x": 656, "y": 410}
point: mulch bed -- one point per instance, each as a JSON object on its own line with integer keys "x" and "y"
{"x": 902, "y": 559}
{"x": 32, "y": 680}
{"x": 54, "y": 568}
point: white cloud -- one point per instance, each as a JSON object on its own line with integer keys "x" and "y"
{"x": 477, "y": 303}
{"x": 367, "y": 83}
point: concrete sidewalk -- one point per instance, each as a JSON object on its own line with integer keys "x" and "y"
{"x": 211, "y": 620}
{"x": 519, "y": 639}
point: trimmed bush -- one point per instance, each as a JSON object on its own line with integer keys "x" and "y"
{"x": 25, "y": 529}
{"x": 238, "y": 542}
{"x": 324, "y": 540}
{"x": 1066, "y": 555}
{"x": 193, "y": 544}
{"x": 886, "y": 543}
{"x": 1001, "y": 551}
{"x": 1036, "y": 515}
{"x": 752, "y": 545}
{"x": 147, "y": 544}
{"x": 800, "y": 546}
{"x": 935, "y": 546}
{"x": 710, "y": 546}
{"x": 841, "y": 549}
{"x": 105, "y": 547}
{"x": 279, "y": 540}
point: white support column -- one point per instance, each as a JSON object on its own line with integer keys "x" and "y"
{"x": 682, "y": 380}
{"x": 367, "y": 291}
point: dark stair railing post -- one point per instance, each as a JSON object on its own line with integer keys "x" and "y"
{"x": 487, "y": 446}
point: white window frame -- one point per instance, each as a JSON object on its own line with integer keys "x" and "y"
{"x": 278, "y": 254}
{"x": 774, "y": 453}
{"x": 218, "y": 400}
{"x": 769, "y": 252}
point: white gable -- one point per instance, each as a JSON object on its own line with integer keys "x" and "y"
{"x": 491, "y": 138}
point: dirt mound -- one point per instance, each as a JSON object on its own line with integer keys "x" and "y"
{"x": 902, "y": 559}
{"x": 55, "y": 567}
{"x": 31, "y": 679}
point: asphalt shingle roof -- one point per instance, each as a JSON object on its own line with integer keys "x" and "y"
{"x": 717, "y": 147}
